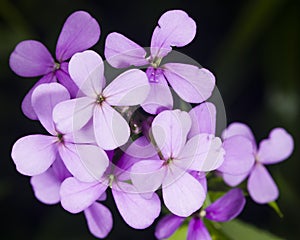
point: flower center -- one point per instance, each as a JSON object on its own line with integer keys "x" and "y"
{"x": 56, "y": 66}
{"x": 60, "y": 137}
{"x": 111, "y": 178}
{"x": 154, "y": 74}
{"x": 202, "y": 213}
{"x": 100, "y": 99}
{"x": 155, "y": 62}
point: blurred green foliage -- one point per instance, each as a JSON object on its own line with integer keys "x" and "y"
{"x": 251, "y": 46}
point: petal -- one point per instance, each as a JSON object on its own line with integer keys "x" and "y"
{"x": 203, "y": 119}
{"x": 160, "y": 97}
{"x": 261, "y": 185}
{"x": 278, "y": 147}
{"x": 197, "y": 230}
{"x": 86, "y": 162}
{"x": 77, "y": 196}
{"x": 72, "y": 115}
{"x": 64, "y": 78}
{"x": 46, "y": 187}
{"x": 128, "y": 89}
{"x": 182, "y": 193}
{"x": 31, "y": 59}
{"x": 99, "y": 219}
{"x": 60, "y": 170}
{"x": 237, "y": 128}
{"x": 192, "y": 84}
{"x": 234, "y": 180}
{"x": 34, "y": 154}
{"x": 203, "y": 152}
{"x": 167, "y": 226}
{"x": 26, "y": 103}
{"x": 148, "y": 175}
{"x": 170, "y": 129}
{"x": 239, "y": 157}
{"x": 80, "y": 32}
{"x": 121, "y": 52}
{"x": 227, "y": 207}
{"x": 44, "y": 98}
{"x": 136, "y": 211}
{"x": 175, "y": 28}
{"x": 111, "y": 129}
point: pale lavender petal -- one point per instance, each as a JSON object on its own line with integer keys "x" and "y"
{"x": 203, "y": 119}
{"x": 238, "y": 128}
{"x": 46, "y": 187}
{"x": 80, "y": 32}
{"x": 87, "y": 71}
{"x": 201, "y": 177}
{"x": 197, "y": 230}
{"x": 167, "y": 226}
{"x": 170, "y": 129}
{"x": 160, "y": 97}
{"x": 148, "y": 175}
{"x": 111, "y": 129}
{"x": 31, "y": 59}
{"x": 137, "y": 211}
{"x": 99, "y": 219}
{"x": 72, "y": 115}
{"x": 234, "y": 180}
{"x": 239, "y": 155}
{"x": 128, "y": 89}
{"x": 203, "y": 152}
{"x": 64, "y": 78}
{"x": 26, "y": 103}
{"x": 278, "y": 147}
{"x": 227, "y": 207}
{"x": 86, "y": 162}
{"x": 76, "y": 196}
{"x": 192, "y": 84}
{"x": 44, "y": 98}
{"x": 261, "y": 185}
{"x": 182, "y": 193}
{"x": 34, "y": 154}
{"x": 175, "y": 28}
{"x": 121, "y": 52}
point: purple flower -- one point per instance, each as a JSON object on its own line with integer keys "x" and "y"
{"x": 182, "y": 193}
{"x": 175, "y": 29}
{"x": 224, "y": 209}
{"x": 34, "y": 154}
{"x": 276, "y": 148}
{"x": 31, "y": 58}
{"x": 128, "y": 89}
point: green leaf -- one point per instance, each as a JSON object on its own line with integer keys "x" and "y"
{"x": 275, "y": 206}
{"x": 180, "y": 234}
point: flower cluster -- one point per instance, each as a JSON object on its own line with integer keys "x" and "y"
{"x": 126, "y": 134}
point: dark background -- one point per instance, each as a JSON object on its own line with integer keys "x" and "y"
{"x": 251, "y": 46}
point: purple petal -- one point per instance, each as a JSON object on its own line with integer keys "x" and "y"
{"x": 99, "y": 219}
{"x": 46, "y": 187}
{"x": 34, "y": 154}
{"x": 192, "y": 84}
{"x": 72, "y": 115}
{"x": 261, "y": 185}
{"x": 44, "y": 98}
{"x": 175, "y": 28}
{"x": 203, "y": 152}
{"x": 128, "y": 89}
{"x": 160, "y": 97}
{"x": 86, "y": 162}
{"x": 148, "y": 175}
{"x": 137, "y": 211}
{"x": 60, "y": 170}
{"x": 203, "y": 119}
{"x": 26, "y": 103}
{"x": 278, "y": 147}
{"x": 64, "y": 78}
{"x": 234, "y": 180}
{"x": 201, "y": 177}
{"x": 167, "y": 226}
{"x": 111, "y": 129}
{"x": 227, "y": 207}
{"x": 121, "y": 52}
{"x": 79, "y": 33}
{"x": 31, "y": 59}
{"x": 197, "y": 230}
{"x": 182, "y": 193}
{"x": 76, "y": 196}
{"x": 239, "y": 156}
{"x": 170, "y": 129}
